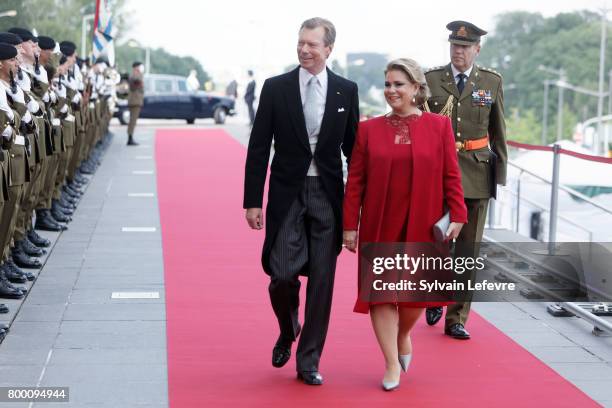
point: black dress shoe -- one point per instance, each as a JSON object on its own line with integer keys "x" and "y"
{"x": 59, "y": 216}
{"x": 24, "y": 261}
{"x": 29, "y": 248}
{"x": 131, "y": 141}
{"x": 68, "y": 203}
{"x": 310, "y": 377}
{"x": 47, "y": 223}
{"x": 282, "y": 350}
{"x": 37, "y": 240}
{"x": 457, "y": 331}
{"x": 3, "y": 308}
{"x": 8, "y": 291}
{"x": 10, "y": 265}
{"x": 433, "y": 315}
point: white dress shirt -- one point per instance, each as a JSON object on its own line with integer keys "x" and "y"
{"x": 457, "y": 72}
{"x": 321, "y": 96}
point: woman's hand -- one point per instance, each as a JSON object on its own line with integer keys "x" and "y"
{"x": 453, "y": 230}
{"x": 349, "y": 240}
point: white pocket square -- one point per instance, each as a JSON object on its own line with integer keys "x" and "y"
{"x": 341, "y": 110}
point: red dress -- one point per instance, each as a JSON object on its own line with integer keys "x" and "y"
{"x": 401, "y": 172}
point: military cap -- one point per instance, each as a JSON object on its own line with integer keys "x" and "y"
{"x": 10, "y": 38}
{"x": 136, "y": 64}
{"x": 464, "y": 33}
{"x": 63, "y": 59}
{"x": 7, "y": 51}
{"x": 25, "y": 35}
{"x": 67, "y": 48}
{"x": 46, "y": 43}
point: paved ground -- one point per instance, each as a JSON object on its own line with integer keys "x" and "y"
{"x": 112, "y": 352}
{"x": 69, "y": 332}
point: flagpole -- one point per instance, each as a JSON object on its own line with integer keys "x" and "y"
{"x": 97, "y": 15}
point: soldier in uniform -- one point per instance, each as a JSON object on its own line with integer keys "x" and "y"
{"x": 135, "y": 99}
{"x": 49, "y": 59}
{"x": 16, "y": 119}
{"x": 27, "y": 75}
{"x": 472, "y": 96}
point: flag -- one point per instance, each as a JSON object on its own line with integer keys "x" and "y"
{"x": 103, "y": 32}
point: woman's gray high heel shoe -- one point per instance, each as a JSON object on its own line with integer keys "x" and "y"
{"x": 390, "y": 385}
{"x": 404, "y": 360}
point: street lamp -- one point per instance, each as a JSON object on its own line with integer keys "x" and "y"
{"x": 8, "y": 13}
{"x": 86, "y": 18}
{"x": 147, "y": 50}
{"x": 561, "y": 74}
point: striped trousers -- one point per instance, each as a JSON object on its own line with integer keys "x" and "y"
{"x": 305, "y": 244}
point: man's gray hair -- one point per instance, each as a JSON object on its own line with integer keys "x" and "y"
{"x": 330, "y": 31}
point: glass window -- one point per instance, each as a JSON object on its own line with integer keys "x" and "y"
{"x": 148, "y": 85}
{"x": 163, "y": 85}
{"x": 182, "y": 85}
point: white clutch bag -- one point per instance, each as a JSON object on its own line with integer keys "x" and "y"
{"x": 440, "y": 227}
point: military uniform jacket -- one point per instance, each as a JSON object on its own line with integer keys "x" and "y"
{"x": 136, "y": 90}
{"x": 16, "y": 157}
{"x": 476, "y": 113}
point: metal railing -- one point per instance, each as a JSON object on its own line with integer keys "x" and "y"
{"x": 553, "y": 209}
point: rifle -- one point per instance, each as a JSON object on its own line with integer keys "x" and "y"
{"x": 19, "y": 73}
{"x": 36, "y": 65}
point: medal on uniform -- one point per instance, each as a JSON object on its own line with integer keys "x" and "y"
{"x": 480, "y": 97}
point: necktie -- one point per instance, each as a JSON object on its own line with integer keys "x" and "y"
{"x": 311, "y": 114}
{"x": 461, "y": 82}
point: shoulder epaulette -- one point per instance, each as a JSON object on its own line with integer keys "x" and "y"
{"x": 490, "y": 70}
{"x": 441, "y": 67}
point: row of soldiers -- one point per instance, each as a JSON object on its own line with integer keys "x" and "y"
{"x": 54, "y": 111}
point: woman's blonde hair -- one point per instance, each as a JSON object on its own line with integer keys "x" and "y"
{"x": 415, "y": 75}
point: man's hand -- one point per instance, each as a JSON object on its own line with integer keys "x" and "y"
{"x": 254, "y": 217}
{"x": 349, "y": 240}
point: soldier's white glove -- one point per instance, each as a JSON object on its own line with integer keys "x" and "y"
{"x": 77, "y": 98}
{"x": 42, "y": 75}
{"x": 27, "y": 118}
{"x": 4, "y": 104}
{"x": 24, "y": 83}
{"x": 56, "y": 122}
{"x": 7, "y": 133}
{"x": 33, "y": 106}
{"x": 53, "y": 96}
{"x": 60, "y": 90}
{"x": 71, "y": 83}
{"x": 64, "y": 109}
{"x": 92, "y": 105}
{"x": 70, "y": 118}
{"x": 17, "y": 96}
{"x": 46, "y": 97}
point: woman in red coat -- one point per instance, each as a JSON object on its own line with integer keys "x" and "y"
{"x": 403, "y": 168}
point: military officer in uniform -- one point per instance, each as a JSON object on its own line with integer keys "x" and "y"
{"x": 472, "y": 96}
{"x": 135, "y": 99}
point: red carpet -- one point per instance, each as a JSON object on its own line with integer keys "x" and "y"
{"x": 221, "y": 327}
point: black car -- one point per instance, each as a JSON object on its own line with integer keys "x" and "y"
{"x": 168, "y": 97}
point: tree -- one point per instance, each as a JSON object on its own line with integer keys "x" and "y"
{"x": 62, "y": 20}
{"x": 520, "y": 42}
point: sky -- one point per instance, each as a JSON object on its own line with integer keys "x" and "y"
{"x": 228, "y": 37}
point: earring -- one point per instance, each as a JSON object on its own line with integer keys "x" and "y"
{"x": 414, "y": 99}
